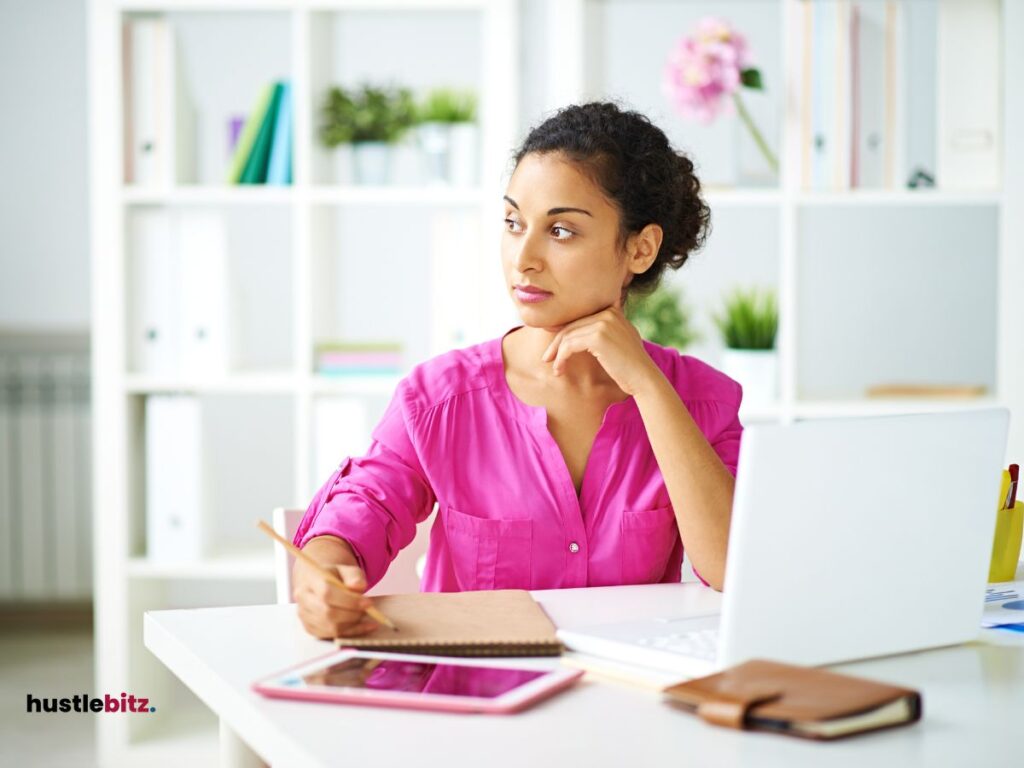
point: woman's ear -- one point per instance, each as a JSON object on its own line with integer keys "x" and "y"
{"x": 644, "y": 247}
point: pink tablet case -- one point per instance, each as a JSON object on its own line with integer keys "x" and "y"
{"x": 423, "y": 698}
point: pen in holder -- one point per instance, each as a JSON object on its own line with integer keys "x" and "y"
{"x": 1006, "y": 546}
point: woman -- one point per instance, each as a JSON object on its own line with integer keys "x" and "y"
{"x": 569, "y": 452}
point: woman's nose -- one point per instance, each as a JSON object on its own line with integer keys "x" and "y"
{"x": 528, "y": 255}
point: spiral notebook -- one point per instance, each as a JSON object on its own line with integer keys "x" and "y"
{"x": 506, "y": 622}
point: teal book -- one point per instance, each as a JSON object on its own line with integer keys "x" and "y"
{"x": 243, "y": 149}
{"x": 256, "y": 167}
{"x": 280, "y": 168}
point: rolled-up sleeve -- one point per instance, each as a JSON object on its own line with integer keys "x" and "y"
{"x": 375, "y": 501}
{"x": 719, "y": 420}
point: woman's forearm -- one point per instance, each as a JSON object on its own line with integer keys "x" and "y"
{"x": 699, "y": 485}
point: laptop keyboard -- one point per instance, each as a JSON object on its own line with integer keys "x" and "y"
{"x": 700, "y": 643}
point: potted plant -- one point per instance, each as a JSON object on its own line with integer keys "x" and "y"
{"x": 372, "y": 119}
{"x": 447, "y": 135}
{"x": 748, "y": 324}
{"x": 662, "y": 317}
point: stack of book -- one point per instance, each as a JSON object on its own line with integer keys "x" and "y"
{"x": 358, "y": 358}
{"x": 263, "y": 154}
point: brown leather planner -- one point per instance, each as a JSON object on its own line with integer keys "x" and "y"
{"x": 797, "y": 701}
{"x": 504, "y": 622}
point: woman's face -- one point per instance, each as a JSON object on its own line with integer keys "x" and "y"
{"x": 562, "y": 236}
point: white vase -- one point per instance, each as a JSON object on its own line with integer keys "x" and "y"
{"x": 751, "y": 168}
{"x": 435, "y": 145}
{"x": 463, "y": 154}
{"x": 372, "y": 162}
{"x": 756, "y": 371}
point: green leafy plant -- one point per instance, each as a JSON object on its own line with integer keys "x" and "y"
{"x": 750, "y": 319}
{"x": 367, "y": 113}
{"x": 662, "y": 317}
{"x": 447, "y": 105}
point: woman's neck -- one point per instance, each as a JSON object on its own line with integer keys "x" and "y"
{"x": 581, "y": 371}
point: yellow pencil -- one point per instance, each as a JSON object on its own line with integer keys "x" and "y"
{"x": 373, "y": 612}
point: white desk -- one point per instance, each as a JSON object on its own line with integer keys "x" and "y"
{"x": 973, "y": 703}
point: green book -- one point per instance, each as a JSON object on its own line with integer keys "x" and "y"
{"x": 248, "y": 135}
{"x": 259, "y": 159}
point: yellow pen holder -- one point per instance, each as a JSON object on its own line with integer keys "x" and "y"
{"x": 1006, "y": 546}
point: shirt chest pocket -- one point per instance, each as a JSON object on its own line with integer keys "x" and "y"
{"x": 648, "y": 536}
{"x": 489, "y": 554}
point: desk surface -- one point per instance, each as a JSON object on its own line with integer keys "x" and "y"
{"x": 973, "y": 702}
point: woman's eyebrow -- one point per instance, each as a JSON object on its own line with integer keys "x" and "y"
{"x": 553, "y": 211}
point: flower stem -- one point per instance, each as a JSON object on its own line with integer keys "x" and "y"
{"x": 748, "y": 121}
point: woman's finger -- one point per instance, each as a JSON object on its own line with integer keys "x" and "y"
{"x": 332, "y": 594}
{"x": 351, "y": 609}
{"x": 314, "y": 624}
{"x": 352, "y": 576}
{"x": 330, "y": 624}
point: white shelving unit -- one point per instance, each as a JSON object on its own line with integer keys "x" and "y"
{"x": 311, "y": 214}
{"x": 577, "y": 47}
{"x": 316, "y": 214}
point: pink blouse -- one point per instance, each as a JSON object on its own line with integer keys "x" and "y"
{"x": 508, "y": 513}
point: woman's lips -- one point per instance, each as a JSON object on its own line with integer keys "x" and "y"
{"x": 530, "y": 296}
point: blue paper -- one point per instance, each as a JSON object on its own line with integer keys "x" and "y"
{"x": 1010, "y": 627}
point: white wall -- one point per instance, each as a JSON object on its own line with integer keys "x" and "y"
{"x": 44, "y": 253}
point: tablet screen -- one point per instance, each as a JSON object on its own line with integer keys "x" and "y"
{"x": 419, "y": 677}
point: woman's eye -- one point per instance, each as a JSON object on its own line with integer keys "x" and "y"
{"x": 511, "y": 224}
{"x": 561, "y": 233}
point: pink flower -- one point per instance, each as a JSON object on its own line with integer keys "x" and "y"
{"x": 704, "y": 68}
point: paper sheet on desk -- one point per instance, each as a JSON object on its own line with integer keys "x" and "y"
{"x": 1004, "y": 604}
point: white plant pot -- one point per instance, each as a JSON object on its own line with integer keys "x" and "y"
{"x": 756, "y": 371}
{"x": 342, "y": 169}
{"x": 463, "y": 154}
{"x": 372, "y": 162}
{"x": 435, "y": 148}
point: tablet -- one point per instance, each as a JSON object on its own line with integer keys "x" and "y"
{"x": 415, "y": 681}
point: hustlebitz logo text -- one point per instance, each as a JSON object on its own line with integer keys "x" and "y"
{"x": 83, "y": 702}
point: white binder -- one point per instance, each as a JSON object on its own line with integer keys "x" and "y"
{"x": 202, "y": 249}
{"x": 155, "y": 317}
{"x": 149, "y": 63}
{"x": 175, "y": 527}
{"x": 871, "y": 95}
{"x": 823, "y": 95}
{"x": 969, "y": 137}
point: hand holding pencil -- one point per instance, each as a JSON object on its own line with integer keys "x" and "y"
{"x": 327, "y": 588}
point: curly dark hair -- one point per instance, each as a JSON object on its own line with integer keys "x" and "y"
{"x": 632, "y": 160}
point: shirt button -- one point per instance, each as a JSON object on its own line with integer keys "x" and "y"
{"x": 574, "y": 547}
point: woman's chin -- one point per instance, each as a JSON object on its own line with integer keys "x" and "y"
{"x": 543, "y": 325}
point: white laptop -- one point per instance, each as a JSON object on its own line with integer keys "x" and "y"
{"x": 850, "y": 538}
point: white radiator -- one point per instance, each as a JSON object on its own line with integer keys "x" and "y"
{"x": 45, "y": 469}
